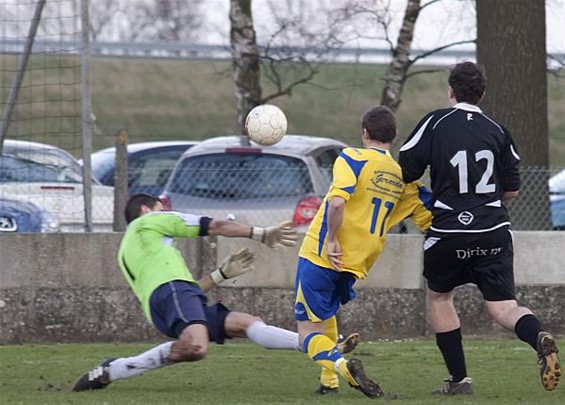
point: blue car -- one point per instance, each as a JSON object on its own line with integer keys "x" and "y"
{"x": 557, "y": 200}
{"x": 149, "y": 165}
{"x": 22, "y": 216}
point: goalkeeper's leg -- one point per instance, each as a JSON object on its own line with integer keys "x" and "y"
{"x": 191, "y": 346}
{"x": 240, "y": 324}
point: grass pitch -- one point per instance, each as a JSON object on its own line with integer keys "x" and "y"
{"x": 503, "y": 371}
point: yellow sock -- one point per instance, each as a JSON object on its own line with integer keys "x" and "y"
{"x": 322, "y": 350}
{"x": 329, "y": 378}
{"x": 341, "y": 368}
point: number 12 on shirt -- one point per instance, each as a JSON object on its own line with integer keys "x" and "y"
{"x": 376, "y": 218}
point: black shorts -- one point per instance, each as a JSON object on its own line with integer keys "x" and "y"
{"x": 485, "y": 259}
{"x": 178, "y": 304}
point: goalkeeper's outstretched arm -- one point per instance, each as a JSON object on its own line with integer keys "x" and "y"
{"x": 273, "y": 236}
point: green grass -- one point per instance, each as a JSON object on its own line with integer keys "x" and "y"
{"x": 504, "y": 372}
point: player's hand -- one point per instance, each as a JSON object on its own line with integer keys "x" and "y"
{"x": 275, "y": 236}
{"x": 234, "y": 265}
{"x": 333, "y": 249}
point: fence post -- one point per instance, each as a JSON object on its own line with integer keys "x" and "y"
{"x": 121, "y": 180}
{"x": 86, "y": 117}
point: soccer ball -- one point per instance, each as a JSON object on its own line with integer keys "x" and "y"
{"x": 266, "y": 124}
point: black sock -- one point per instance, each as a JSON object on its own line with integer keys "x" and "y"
{"x": 451, "y": 348}
{"x": 527, "y": 328}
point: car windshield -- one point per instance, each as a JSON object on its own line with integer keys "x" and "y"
{"x": 241, "y": 176}
{"x": 38, "y": 166}
{"x": 102, "y": 163}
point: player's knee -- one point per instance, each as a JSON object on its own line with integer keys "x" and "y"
{"x": 237, "y": 323}
{"x": 434, "y": 296}
{"x": 502, "y": 311}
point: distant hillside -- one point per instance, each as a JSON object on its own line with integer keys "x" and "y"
{"x": 176, "y": 99}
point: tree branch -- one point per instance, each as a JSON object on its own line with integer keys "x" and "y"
{"x": 441, "y": 48}
{"x": 429, "y": 4}
{"x": 417, "y": 72}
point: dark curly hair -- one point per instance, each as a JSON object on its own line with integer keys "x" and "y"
{"x": 468, "y": 81}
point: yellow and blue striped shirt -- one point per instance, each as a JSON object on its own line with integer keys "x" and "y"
{"x": 370, "y": 181}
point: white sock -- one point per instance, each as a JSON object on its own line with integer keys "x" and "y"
{"x": 153, "y": 358}
{"x": 271, "y": 337}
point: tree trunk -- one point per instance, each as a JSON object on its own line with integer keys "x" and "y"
{"x": 245, "y": 59}
{"x": 396, "y": 71}
{"x": 511, "y": 47}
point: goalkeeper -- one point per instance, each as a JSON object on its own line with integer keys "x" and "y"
{"x": 176, "y": 303}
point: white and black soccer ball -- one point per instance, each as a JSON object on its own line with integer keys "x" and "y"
{"x": 266, "y": 124}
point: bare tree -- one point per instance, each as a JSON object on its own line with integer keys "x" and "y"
{"x": 378, "y": 14}
{"x": 175, "y": 20}
{"x": 245, "y": 59}
{"x": 102, "y": 15}
{"x": 164, "y": 20}
{"x": 291, "y": 55}
{"x": 398, "y": 68}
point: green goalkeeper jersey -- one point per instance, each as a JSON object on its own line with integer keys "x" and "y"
{"x": 148, "y": 256}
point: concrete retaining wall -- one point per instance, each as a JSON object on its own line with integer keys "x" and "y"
{"x": 67, "y": 288}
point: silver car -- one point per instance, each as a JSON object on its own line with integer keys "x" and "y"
{"x": 149, "y": 164}
{"x": 51, "y": 178}
{"x": 227, "y": 177}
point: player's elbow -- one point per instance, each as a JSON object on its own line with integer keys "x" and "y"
{"x": 509, "y": 195}
{"x": 337, "y": 203}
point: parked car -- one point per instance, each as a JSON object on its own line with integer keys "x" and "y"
{"x": 557, "y": 200}
{"x": 51, "y": 178}
{"x": 149, "y": 164}
{"x": 225, "y": 177}
{"x": 22, "y": 216}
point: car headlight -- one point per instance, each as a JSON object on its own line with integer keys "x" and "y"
{"x": 49, "y": 222}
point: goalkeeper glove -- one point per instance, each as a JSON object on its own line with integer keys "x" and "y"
{"x": 234, "y": 265}
{"x": 276, "y": 235}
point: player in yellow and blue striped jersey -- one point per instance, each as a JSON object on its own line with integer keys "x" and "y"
{"x": 367, "y": 197}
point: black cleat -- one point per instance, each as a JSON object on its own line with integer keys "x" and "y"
{"x": 365, "y": 385}
{"x": 96, "y": 379}
{"x": 463, "y": 387}
{"x": 548, "y": 360}
{"x": 323, "y": 390}
{"x": 349, "y": 343}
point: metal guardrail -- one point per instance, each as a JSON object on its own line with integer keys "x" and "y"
{"x": 188, "y": 50}
{"x": 191, "y": 50}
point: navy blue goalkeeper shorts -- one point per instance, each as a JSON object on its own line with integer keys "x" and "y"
{"x": 178, "y": 304}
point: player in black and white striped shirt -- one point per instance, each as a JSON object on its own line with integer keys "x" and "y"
{"x": 473, "y": 168}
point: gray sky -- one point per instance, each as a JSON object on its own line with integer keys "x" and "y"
{"x": 443, "y": 22}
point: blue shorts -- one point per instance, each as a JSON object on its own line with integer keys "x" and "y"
{"x": 178, "y": 304}
{"x": 319, "y": 291}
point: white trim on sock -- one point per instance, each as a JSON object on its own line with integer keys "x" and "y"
{"x": 337, "y": 363}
